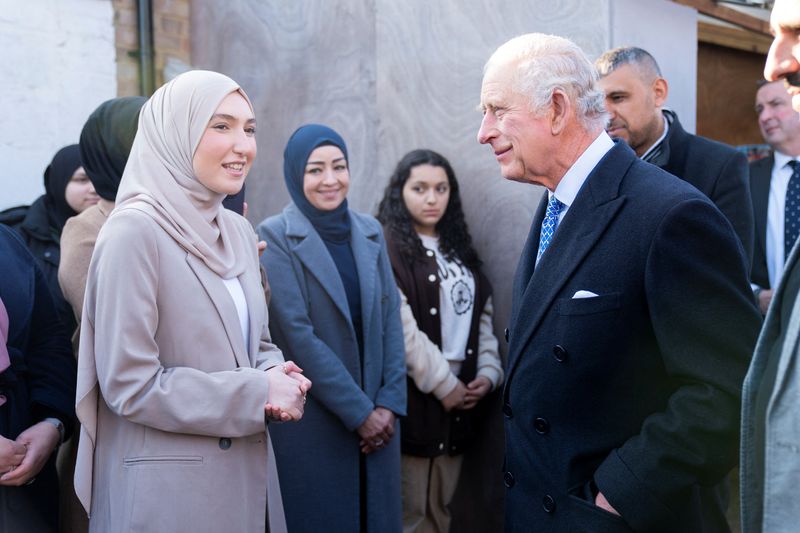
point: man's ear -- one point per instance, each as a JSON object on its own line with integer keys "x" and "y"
{"x": 560, "y": 107}
{"x": 660, "y": 91}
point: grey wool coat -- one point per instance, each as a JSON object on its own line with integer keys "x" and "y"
{"x": 319, "y": 456}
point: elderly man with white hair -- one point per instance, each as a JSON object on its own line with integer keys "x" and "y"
{"x": 632, "y": 319}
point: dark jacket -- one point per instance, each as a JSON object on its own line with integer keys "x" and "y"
{"x": 33, "y": 226}
{"x": 760, "y": 178}
{"x": 718, "y": 171}
{"x": 40, "y": 382}
{"x": 427, "y": 430}
{"x": 637, "y": 390}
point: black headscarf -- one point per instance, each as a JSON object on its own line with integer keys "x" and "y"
{"x": 106, "y": 142}
{"x": 56, "y": 177}
{"x": 331, "y": 225}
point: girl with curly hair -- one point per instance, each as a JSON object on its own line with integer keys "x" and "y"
{"x": 451, "y": 351}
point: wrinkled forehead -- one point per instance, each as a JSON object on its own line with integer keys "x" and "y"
{"x": 785, "y": 14}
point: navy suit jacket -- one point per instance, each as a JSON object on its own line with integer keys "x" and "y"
{"x": 760, "y": 178}
{"x": 636, "y": 390}
{"x": 717, "y": 170}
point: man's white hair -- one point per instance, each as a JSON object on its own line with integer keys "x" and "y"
{"x": 546, "y": 63}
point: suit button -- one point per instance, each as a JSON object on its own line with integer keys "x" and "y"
{"x": 507, "y": 411}
{"x": 506, "y": 334}
{"x": 541, "y": 426}
{"x": 429, "y": 253}
{"x": 433, "y": 311}
{"x": 508, "y": 479}
{"x": 431, "y": 278}
{"x": 560, "y": 353}
{"x": 549, "y": 504}
{"x": 224, "y": 443}
{"x": 441, "y": 446}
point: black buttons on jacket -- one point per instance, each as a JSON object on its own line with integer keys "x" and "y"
{"x": 560, "y": 353}
{"x": 548, "y": 504}
{"x": 508, "y": 479}
{"x": 541, "y": 426}
{"x": 507, "y": 411}
{"x": 506, "y": 334}
{"x": 224, "y": 443}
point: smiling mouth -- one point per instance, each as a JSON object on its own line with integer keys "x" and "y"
{"x": 236, "y": 167}
{"x": 500, "y": 153}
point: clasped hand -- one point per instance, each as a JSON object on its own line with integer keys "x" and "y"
{"x": 377, "y": 430}
{"x": 287, "y": 392}
{"x": 21, "y": 460}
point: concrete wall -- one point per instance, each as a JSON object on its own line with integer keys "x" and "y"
{"x": 58, "y": 65}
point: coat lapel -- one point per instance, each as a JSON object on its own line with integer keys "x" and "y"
{"x": 310, "y": 250}
{"x": 595, "y": 206}
{"x": 365, "y": 252}
{"x": 223, "y": 302}
{"x": 256, "y": 307}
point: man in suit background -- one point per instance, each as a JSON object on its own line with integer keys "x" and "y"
{"x": 632, "y": 318}
{"x": 771, "y": 178}
{"x": 770, "y": 464}
{"x": 635, "y": 97}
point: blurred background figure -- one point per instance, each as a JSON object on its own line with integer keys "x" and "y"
{"x": 335, "y": 310}
{"x": 68, "y": 191}
{"x": 451, "y": 352}
{"x": 774, "y": 187}
{"x": 37, "y": 391}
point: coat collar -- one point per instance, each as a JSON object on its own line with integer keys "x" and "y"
{"x": 310, "y": 249}
{"x": 596, "y": 205}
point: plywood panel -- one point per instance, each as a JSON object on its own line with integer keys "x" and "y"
{"x": 726, "y": 91}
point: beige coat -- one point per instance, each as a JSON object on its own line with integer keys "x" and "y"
{"x": 171, "y": 404}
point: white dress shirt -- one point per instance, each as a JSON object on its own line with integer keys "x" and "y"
{"x": 567, "y": 189}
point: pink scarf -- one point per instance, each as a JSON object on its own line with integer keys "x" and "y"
{"x": 5, "y": 361}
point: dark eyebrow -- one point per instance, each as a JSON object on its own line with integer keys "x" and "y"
{"x": 323, "y": 162}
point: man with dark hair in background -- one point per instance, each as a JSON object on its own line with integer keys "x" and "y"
{"x": 635, "y": 97}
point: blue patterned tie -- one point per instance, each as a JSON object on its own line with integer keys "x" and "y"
{"x": 554, "y": 207}
{"x": 791, "y": 212}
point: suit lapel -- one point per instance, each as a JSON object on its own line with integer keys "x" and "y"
{"x": 310, "y": 250}
{"x": 223, "y": 303}
{"x": 759, "y": 185}
{"x": 594, "y": 208}
{"x": 527, "y": 260}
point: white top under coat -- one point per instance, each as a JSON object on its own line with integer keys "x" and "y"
{"x": 237, "y": 294}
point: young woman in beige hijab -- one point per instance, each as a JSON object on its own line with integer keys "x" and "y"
{"x": 177, "y": 375}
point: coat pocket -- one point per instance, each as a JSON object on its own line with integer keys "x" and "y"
{"x": 588, "y": 306}
{"x": 145, "y": 460}
{"x": 587, "y": 517}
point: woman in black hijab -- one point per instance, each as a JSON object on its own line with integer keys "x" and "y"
{"x": 105, "y": 144}
{"x": 68, "y": 192}
{"x": 335, "y": 309}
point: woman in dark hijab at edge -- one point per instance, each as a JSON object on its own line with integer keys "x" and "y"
{"x": 68, "y": 192}
{"x": 105, "y": 144}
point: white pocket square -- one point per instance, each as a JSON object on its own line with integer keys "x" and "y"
{"x": 584, "y": 294}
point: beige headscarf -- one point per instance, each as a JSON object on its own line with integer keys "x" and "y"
{"x": 159, "y": 172}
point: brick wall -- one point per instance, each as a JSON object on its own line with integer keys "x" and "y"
{"x": 171, "y": 42}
